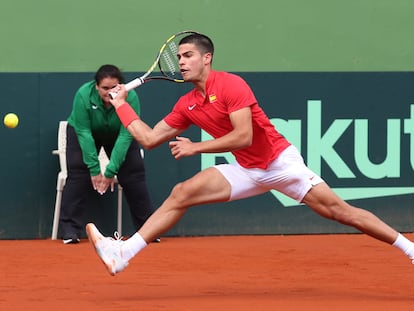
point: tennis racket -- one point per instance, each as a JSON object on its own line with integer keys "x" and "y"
{"x": 166, "y": 61}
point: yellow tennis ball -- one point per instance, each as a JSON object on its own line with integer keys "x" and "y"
{"x": 11, "y": 120}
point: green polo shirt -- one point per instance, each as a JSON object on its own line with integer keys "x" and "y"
{"x": 93, "y": 122}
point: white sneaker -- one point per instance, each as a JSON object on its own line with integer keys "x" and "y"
{"x": 108, "y": 249}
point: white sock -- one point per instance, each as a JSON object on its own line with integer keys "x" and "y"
{"x": 133, "y": 246}
{"x": 405, "y": 245}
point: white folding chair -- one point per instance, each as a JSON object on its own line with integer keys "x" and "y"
{"x": 61, "y": 179}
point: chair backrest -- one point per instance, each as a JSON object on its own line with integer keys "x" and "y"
{"x": 103, "y": 158}
{"x": 61, "y": 152}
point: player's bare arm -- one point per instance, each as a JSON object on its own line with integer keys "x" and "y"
{"x": 152, "y": 137}
{"x": 240, "y": 137}
{"x": 147, "y": 137}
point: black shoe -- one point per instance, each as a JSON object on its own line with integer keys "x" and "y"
{"x": 157, "y": 240}
{"x": 71, "y": 239}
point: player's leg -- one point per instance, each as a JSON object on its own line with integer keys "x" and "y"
{"x": 289, "y": 175}
{"x": 207, "y": 186}
{"x": 326, "y": 203}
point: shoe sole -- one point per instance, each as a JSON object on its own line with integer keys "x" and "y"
{"x": 91, "y": 237}
{"x": 71, "y": 241}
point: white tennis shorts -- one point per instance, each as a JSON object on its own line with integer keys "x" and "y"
{"x": 287, "y": 174}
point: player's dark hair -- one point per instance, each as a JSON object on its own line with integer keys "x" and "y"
{"x": 108, "y": 71}
{"x": 202, "y": 42}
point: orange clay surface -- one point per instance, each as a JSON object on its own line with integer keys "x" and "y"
{"x": 316, "y": 272}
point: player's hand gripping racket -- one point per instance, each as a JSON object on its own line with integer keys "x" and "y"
{"x": 166, "y": 61}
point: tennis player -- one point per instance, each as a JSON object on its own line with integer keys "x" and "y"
{"x": 224, "y": 106}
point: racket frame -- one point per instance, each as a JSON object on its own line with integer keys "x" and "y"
{"x": 145, "y": 77}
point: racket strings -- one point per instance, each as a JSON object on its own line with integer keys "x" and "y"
{"x": 169, "y": 61}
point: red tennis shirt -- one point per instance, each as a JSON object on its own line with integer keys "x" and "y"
{"x": 226, "y": 93}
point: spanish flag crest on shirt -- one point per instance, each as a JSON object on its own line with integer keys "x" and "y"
{"x": 212, "y": 98}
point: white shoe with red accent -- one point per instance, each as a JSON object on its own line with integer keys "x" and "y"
{"x": 108, "y": 249}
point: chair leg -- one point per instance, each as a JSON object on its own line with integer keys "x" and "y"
{"x": 119, "y": 225}
{"x": 57, "y": 214}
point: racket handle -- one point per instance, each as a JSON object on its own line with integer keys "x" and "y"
{"x": 134, "y": 84}
{"x": 129, "y": 86}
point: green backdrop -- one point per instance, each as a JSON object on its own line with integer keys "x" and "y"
{"x": 261, "y": 35}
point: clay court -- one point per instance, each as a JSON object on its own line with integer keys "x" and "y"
{"x": 315, "y": 272}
